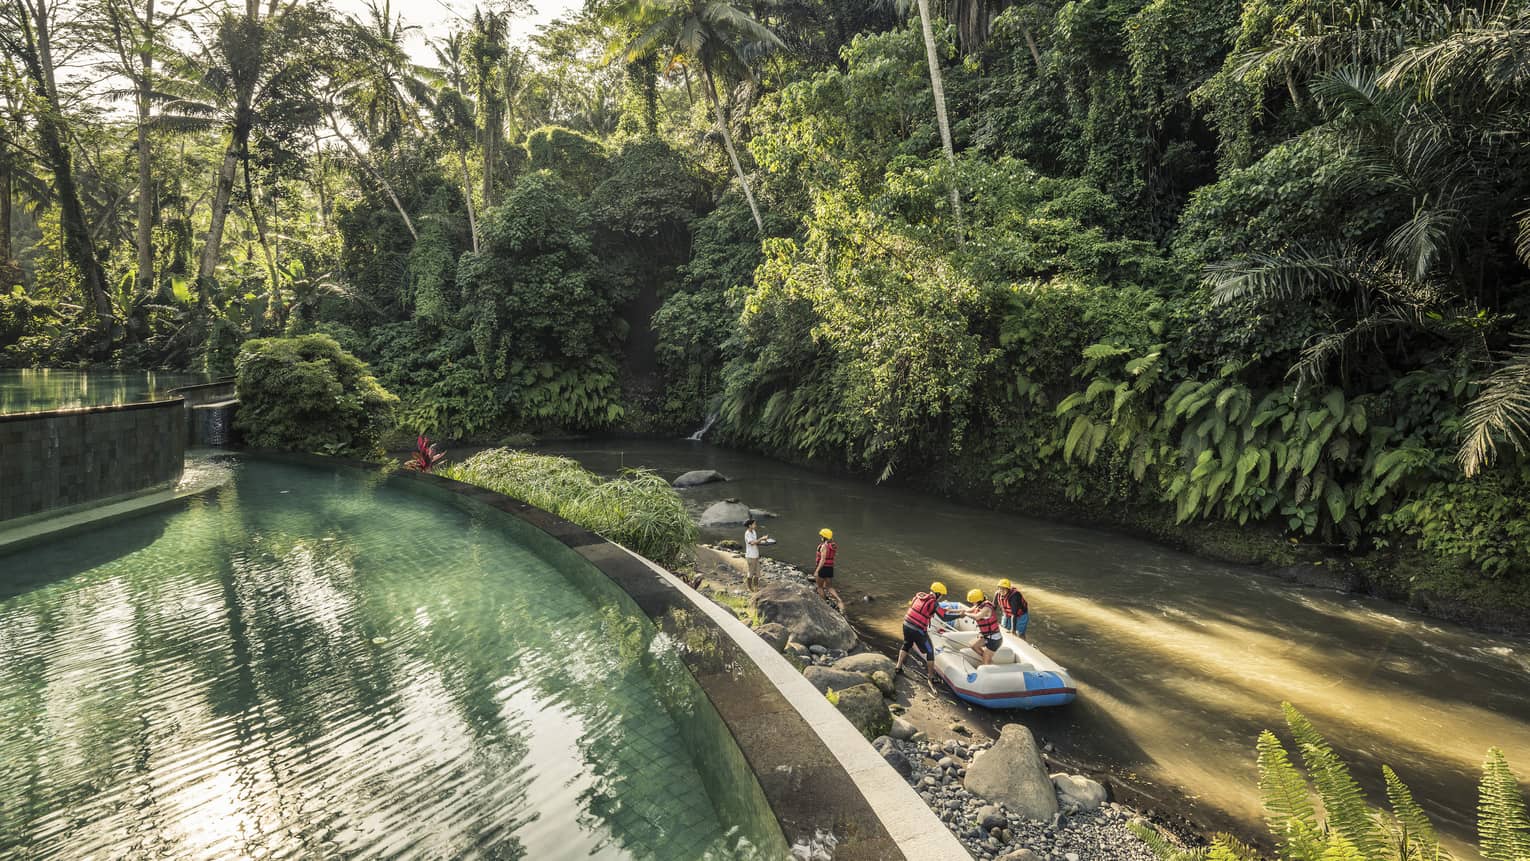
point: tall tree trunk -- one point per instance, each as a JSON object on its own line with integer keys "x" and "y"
{"x": 491, "y": 121}
{"x": 1031, "y": 44}
{"x": 144, "y": 237}
{"x": 319, "y": 184}
{"x": 467, "y": 197}
{"x": 36, "y": 55}
{"x": 212, "y": 250}
{"x": 5, "y": 210}
{"x": 722, "y": 126}
{"x": 376, "y": 175}
{"x": 938, "y": 88}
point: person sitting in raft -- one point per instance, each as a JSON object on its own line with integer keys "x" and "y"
{"x": 1017, "y": 613}
{"x": 823, "y": 568}
{"x": 982, "y": 611}
{"x": 916, "y": 625}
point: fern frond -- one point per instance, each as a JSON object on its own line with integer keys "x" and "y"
{"x": 1161, "y": 848}
{"x": 1347, "y": 814}
{"x": 1500, "y": 412}
{"x": 1503, "y": 827}
{"x": 1287, "y": 802}
{"x": 1227, "y": 848}
{"x": 1416, "y": 837}
{"x": 1279, "y": 277}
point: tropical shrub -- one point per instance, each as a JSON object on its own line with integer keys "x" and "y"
{"x": 1347, "y": 828}
{"x": 637, "y": 509}
{"x": 306, "y": 394}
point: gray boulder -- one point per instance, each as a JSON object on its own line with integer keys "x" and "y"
{"x": 866, "y": 662}
{"x": 1078, "y": 791}
{"x": 1021, "y": 854}
{"x": 991, "y": 816}
{"x": 824, "y": 678}
{"x": 804, "y": 614}
{"x": 864, "y": 708}
{"x": 725, "y": 514}
{"x": 884, "y": 683}
{"x": 1011, "y": 773}
{"x": 902, "y": 730}
{"x": 697, "y": 477}
{"x": 773, "y": 633}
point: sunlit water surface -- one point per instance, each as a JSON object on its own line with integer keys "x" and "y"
{"x": 31, "y": 389}
{"x": 1181, "y": 661}
{"x": 299, "y": 664}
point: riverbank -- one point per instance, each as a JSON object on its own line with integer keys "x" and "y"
{"x": 933, "y": 740}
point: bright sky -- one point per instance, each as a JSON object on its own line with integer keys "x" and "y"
{"x": 435, "y": 17}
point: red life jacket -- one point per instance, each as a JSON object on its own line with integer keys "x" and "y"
{"x": 921, "y": 610}
{"x": 1011, "y": 601}
{"x": 989, "y": 625}
{"x": 826, "y": 552}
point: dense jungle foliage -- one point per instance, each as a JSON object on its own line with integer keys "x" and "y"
{"x": 1186, "y": 265}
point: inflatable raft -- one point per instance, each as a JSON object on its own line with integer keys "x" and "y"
{"x": 1020, "y": 677}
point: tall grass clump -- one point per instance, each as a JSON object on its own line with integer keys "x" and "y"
{"x": 638, "y": 510}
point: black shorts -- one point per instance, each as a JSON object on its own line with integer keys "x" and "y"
{"x": 826, "y": 572}
{"x": 913, "y": 638}
{"x": 993, "y": 642}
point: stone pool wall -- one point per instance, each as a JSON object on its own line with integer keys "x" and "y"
{"x": 65, "y": 458}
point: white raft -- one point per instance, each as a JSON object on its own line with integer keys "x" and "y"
{"x": 1020, "y": 677}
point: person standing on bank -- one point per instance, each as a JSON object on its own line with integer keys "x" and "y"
{"x": 752, "y": 541}
{"x": 1017, "y": 613}
{"x": 823, "y": 567}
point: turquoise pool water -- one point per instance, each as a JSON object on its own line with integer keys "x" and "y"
{"x": 29, "y": 390}
{"x": 304, "y": 664}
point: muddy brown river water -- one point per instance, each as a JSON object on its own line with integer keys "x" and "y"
{"x": 1180, "y": 661}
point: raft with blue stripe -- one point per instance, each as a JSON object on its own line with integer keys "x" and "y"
{"x": 1021, "y": 676}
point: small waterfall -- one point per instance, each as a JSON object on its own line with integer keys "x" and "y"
{"x": 705, "y": 426}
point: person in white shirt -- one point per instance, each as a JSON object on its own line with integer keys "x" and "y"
{"x": 752, "y": 541}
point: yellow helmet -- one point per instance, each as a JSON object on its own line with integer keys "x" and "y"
{"x": 826, "y": 533}
{"x": 938, "y": 588}
{"x": 975, "y": 596}
{"x": 1005, "y": 584}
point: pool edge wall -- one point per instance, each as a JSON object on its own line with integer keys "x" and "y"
{"x": 829, "y": 791}
{"x": 62, "y": 459}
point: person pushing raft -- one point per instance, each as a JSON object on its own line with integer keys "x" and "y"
{"x": 983, "y": 612}
{"x": 916, "y": 625}
{"x": 1017, "y": 613}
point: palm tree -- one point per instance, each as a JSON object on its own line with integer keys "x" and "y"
{"x": 938, "y": 90}
{"x": 249, "y": 65}
{"x": 716, "y": 36}
{"x": 455, "y": 114}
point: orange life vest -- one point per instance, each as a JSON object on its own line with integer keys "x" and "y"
{"x": 989, "y": 625}
{"x": 921, "y": 610}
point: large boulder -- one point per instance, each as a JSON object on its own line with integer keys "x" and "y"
{"x": 902, "y": 729}
{"x": 725, "y": 514}
{"x": 866, "y": 662}
{"x": 809, "y": 619}
{"x": 697, "y": 477}
{"x": 1011, "y": 773}
{"x": 863, "y": 706}
{"x": 1077, "y": 791}
{"x": 824, "y": 678}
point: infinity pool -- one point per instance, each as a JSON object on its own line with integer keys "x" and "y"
{"x": 29, "y": 390}
{"x": 309, "y": 664}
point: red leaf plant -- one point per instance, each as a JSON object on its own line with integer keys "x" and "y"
{"x": 425, "y": 457}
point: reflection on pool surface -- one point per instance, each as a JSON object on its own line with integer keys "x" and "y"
{"x": 30, "y": 390}
{"x": 307, "y": 664}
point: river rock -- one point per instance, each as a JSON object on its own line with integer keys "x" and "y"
{"x": 884, "y": 683}
{"x": 991, "y": 816}
{"x": 1021, "y": 854}
{"x": 725, "y": 514}
{"x": 698, "y": 477}
{"x": 804, "y": 614}
{"x": 1011, "y": 773}
{"x": 864, "y": 708}
{"x": 761, "y": 514}
{"x": 1078, "y": 791}
{"x": 866, "y": 662}
{"x": 902, "y": 730}
{"x": 773, "y": 633}
{"x": 824, "y": 678}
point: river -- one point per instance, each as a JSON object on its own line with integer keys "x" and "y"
{"x": 1180, "y": 661}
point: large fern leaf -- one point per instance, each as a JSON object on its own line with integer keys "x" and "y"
{"x": 1287, "y": 802}
{"x": 1416, "y": 840}
{"x": 1343, "y": 802}
{"x": 1503, "y": 828}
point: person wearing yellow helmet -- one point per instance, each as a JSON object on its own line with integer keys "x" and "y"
{"x": 982, "y": 611}
{"x": 916, "y": 626}
{"x": 1017, "y": 613}
{"x": 823, "y": 567}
